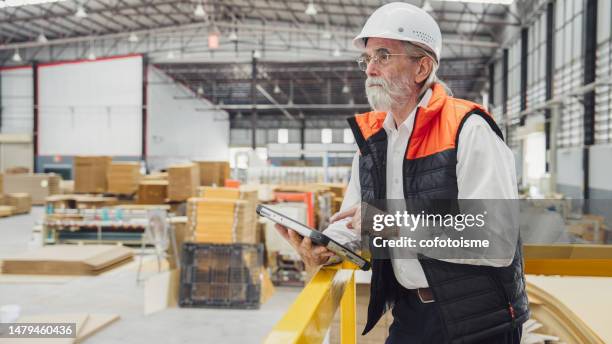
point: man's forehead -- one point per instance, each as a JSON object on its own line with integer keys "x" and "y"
{"x": 376, "y": 43}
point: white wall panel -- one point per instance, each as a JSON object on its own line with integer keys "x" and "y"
{"x": 91, "y": 107}
{"x": 17, "y": 99}
{"x": 177, "y": 130}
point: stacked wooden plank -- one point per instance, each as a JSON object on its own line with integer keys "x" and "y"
{"x": 6, "y": 210}
{"x": 68, "y": 260}
{"x": 22, "y": 202}
{"x": 243, "y": 220}
{"x": 183, "y": 181}
{"x": 123, "y": 177}
{"x": 212, "y": 220}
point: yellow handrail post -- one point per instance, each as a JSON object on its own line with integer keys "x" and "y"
{"x": 348, "y": 313}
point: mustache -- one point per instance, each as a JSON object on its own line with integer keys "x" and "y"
{"x": 371, "y": 81}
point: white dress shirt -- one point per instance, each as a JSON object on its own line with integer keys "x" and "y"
{"x": 485, "y": 170}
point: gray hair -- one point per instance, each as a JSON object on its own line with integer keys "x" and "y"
{"x": 418, "y": 50}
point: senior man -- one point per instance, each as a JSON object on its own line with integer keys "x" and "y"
{"x": 421, "y": 143}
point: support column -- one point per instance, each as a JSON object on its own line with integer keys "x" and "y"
{"x": 35, "y": 115}
{"x": 590, "y": 60}
{"x": 549, "y": 66}
{"x": 253, "y": 101}
{"x": 524, "y": 69}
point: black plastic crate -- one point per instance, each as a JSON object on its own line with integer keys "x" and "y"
{"x": 221, "y": 275}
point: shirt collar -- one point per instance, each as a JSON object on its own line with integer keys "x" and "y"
{"x": 389, "y": 123}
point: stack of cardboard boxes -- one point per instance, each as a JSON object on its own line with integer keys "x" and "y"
{"x": 123, "y": 177}
{"x": 90, "y": 173}
{"x": 183, "y": 181}
{"x": 223, "y": 215}
{"x": 213, "y": 173}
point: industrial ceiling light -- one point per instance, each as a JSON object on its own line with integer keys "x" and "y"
{"x": 80, "y": 13}
{"x": 233, "y": 37}
{"x": 336, "y": 52}
{"x": 42, "y": 38}
{"x": 427, "y": 6}
{"x": 133, "y": 38}
{"x": 346, "y": 89}
{"x": 170, "y": 55}
{"x": 311, "y": 10}
{"x": 199, "y": 11}
{"x": 200, "y": 90}
{"x": 256, "y": 54}
{"x": 326, "y": 34}
{"x": 277, "y": 89}
{"x": 16, "y": 56}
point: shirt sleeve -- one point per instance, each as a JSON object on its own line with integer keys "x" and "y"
{"x": 485, "y": 170}
{"x": 352, "y": 196}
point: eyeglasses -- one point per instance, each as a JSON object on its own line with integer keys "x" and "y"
{"x": 381, "y": 57}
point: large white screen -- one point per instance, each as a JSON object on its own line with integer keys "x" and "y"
{"x": 91, "y": 107}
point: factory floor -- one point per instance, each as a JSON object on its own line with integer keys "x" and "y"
{"x": 116, "y": 292}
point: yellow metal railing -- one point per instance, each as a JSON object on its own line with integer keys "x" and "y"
{"x": 309, "y": 318}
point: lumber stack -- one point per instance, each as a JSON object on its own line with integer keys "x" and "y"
{"x": 68, "y": 260}
{"x": 228, "y": 213}
{"x": 123, "y": 177}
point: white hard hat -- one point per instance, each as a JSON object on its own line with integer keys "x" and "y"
{"x": 403, "y": 22}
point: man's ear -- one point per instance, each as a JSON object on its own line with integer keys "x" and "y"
{"x": 424, "y": 69}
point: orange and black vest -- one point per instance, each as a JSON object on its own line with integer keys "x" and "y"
{"x": 475, "y": 302}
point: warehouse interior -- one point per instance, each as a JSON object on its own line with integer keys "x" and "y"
{"x": 137, "y": 138}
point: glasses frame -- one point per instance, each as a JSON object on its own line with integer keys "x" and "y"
{"x": 381, "y": 58}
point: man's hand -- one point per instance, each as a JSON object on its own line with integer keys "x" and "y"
{"x": 312, "y": 255}
{"x": 354, "y": 213}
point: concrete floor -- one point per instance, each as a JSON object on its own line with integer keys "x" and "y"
{"x": 117, "y": 292}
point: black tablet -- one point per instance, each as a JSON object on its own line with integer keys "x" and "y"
{"x": 316, "y": 236}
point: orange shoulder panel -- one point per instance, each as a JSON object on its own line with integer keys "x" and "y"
{"x": 438, "y": 126}
{"x": 370, "y": 122}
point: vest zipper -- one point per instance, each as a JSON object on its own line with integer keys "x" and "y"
{"x": 416, "y": 114}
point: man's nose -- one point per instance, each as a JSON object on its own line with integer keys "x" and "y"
{"x": 372, "y": 69}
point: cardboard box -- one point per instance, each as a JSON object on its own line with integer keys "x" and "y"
{"x": 152, "y": 191}
{"x": 90, "y": 173}
{"x": 38, "y": 185}
{"x": 123, "y": 177}
{"x": 182, "y": 181}
{"x": 21, "y": 201}
{"x": 213, "y": 173}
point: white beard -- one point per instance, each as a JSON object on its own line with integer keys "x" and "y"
{"x": 389, "y": 94}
